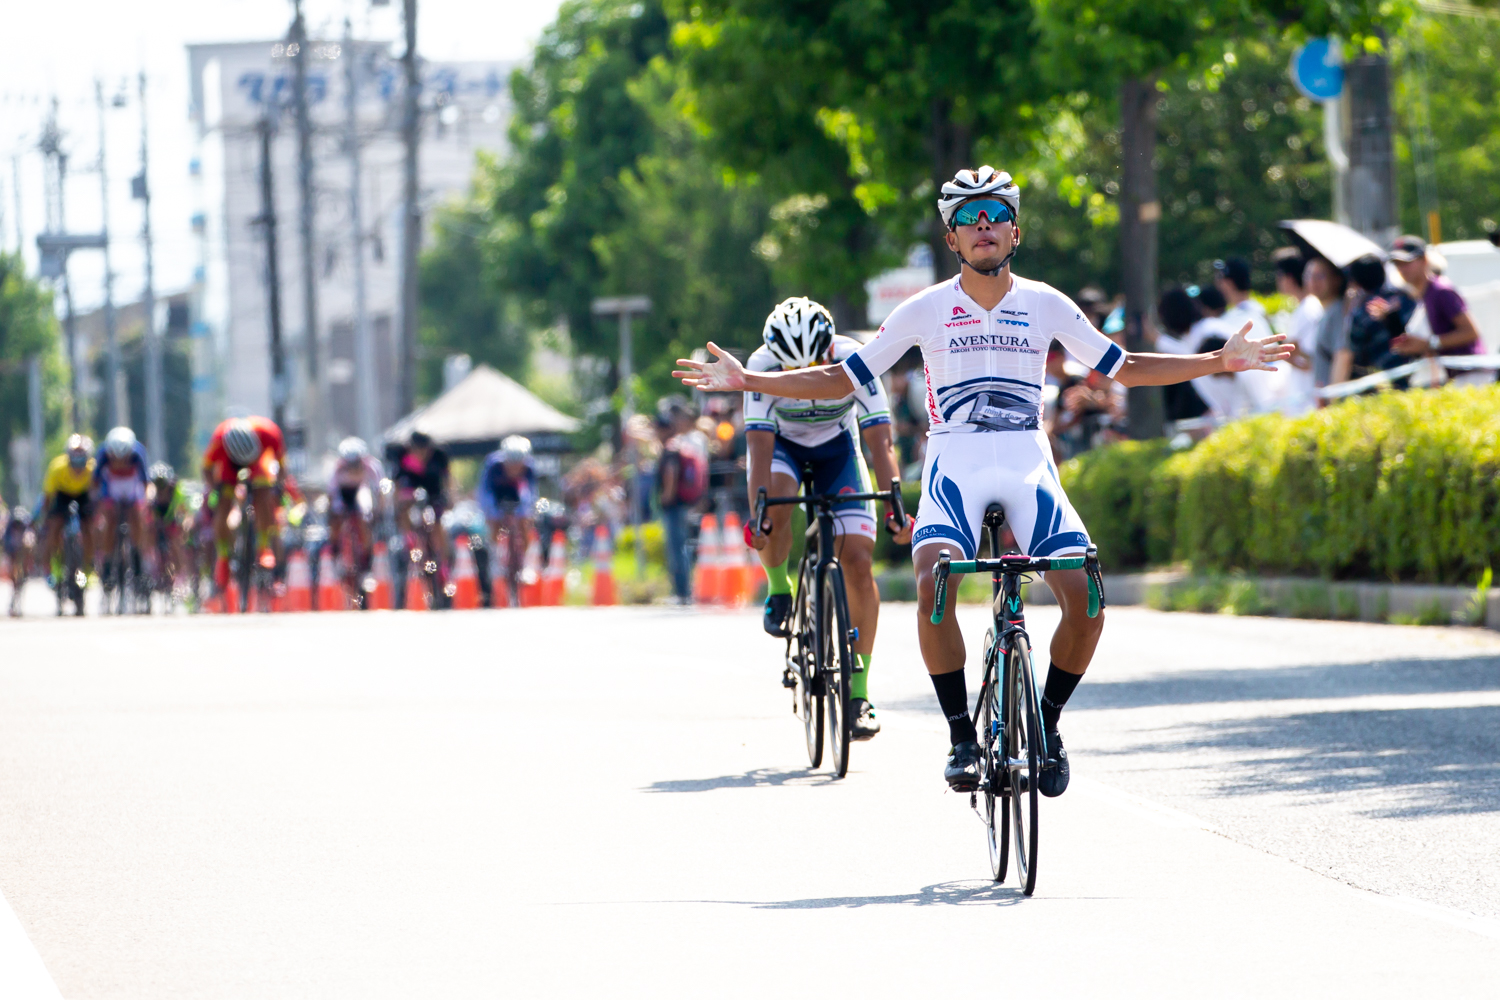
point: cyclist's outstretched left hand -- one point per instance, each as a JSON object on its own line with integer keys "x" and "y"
{"x": 724, "y": 375}
{"x": 1241, "y": 354}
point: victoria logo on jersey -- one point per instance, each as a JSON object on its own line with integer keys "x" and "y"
{"x": 961, "y": 317}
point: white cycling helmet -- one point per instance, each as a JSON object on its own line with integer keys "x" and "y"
{"x": 119, "y": 443}
{"x": 352, "y": 450}
{"x": 798, "y": 332}
{"x": 967, "y": 184}
{"x": 515, "y": 449}
{"x": 241, "y": 442}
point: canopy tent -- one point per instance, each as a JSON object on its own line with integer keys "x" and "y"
{"x": 472, "y": 417}
{"x": 1341, "y": 245}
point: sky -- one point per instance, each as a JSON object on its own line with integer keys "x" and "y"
{"x": 72, "y": 43}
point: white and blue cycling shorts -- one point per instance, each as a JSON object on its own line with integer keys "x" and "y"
{"x": 837, "y": 466}
{"x": 966, "y": 472}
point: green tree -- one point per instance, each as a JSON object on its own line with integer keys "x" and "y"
{"x": 28, "y": 329}
{"x": 1449, "y": 73}
{"x": 464, "y": 308}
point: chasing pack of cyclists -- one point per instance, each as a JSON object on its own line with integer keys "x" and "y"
{"x": 984, "y": 337}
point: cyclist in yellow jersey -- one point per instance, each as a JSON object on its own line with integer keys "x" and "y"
{"x": 69, "y": 479}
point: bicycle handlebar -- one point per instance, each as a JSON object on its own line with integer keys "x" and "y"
{"x": 1017, "y": 564}
{"x": 892, "y": 496}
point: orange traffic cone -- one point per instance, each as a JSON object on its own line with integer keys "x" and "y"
{"x": 232, "y": 598}
{"x": 330, "y": 586}
{"x": 416, "y": 592}
{"x": 707, "y": 588}
{"x": 531, "y": 573}
{"x": 384, "y": 594}
{"x": 733, "y": 575}
{"x": 298, "y": 583}
{"x": 465, "y": 580}
{"x": 604, "y": 572}
{"x": 554, "y": 578}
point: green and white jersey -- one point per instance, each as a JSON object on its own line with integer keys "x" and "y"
{"x": 811, "y": 422}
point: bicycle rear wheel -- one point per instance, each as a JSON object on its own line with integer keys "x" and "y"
{"x": 807, "y": 695}
{"x": 837, "y": 667}
{"x": 1023, "y": 741}
{"x": 994, "y": 783}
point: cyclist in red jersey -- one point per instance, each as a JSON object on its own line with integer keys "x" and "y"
{"x": 255, "y": 444}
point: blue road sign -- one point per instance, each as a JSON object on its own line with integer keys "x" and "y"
{"x": 1318, "y": 70}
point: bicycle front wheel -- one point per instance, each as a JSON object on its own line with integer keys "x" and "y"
{"x": 807, "y": 695}
{"x": 1023, "y": 742}
{"x": 837, "y": 668}
{"x": 994, "y": 779}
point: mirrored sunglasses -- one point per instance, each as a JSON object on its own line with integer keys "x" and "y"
{"x": 968, "y": 213}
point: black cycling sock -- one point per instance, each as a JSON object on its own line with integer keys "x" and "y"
{"x": 1055, "y": 694}
{"x": 953, "y": 697}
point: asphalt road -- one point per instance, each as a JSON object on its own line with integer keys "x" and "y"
{"x": 571, "y": 802}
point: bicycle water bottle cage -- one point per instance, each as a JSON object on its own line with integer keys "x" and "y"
{"x": 992, "y": 413}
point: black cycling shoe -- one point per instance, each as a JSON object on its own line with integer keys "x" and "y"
{"x": 778, "y": 606}
{"x": 862, "y": 720}
{"x": 962, "y": 771}
{"x": 1054, "y": 778}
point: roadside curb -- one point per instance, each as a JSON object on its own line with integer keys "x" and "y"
{"x": 1293, "y": 597}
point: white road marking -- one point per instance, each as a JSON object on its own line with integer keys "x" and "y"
{"x": 22, "y": 974}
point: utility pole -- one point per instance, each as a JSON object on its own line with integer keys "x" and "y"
{"x": 1370, "y": 195}
{"x": 624, "y": 307}
{"x": 56, "y": 267}
{"x": 364, "y": 361}
{"x": 411, "y": 219}
{"x": 156, "y": 441}
{"x": 267, "y": 221}
{"x": 1140, "y": 212}
{"x": 118, "y": 405}
{"x": 312, "y": 417}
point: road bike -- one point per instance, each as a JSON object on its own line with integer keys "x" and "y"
{"x": 819, "y": 658}
{"x": 252, "y": 577}
{"x": 1008, "y": 714}
{"x": 70, "y": 579}
{"x": 422, "y": 555}
{"x": 126, "y": 588}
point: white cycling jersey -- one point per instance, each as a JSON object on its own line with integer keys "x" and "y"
{"x": 811, "y": 422}
{"x": 985, "y": 368}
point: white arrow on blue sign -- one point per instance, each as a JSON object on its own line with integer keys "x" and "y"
{"x": 1317, "y": 69}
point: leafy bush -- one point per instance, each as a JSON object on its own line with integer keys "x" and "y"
{"x": 1398, "y": 486}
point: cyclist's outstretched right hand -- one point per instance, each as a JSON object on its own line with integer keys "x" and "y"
{"x": 724, "y": 375}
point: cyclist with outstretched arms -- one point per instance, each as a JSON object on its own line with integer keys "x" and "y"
{"x": 783, "y": 436}
{"x": 984, "y": 337}
{"x": 256, "y": 445}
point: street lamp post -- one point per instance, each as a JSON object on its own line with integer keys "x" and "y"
{"x": 624, "y": 307}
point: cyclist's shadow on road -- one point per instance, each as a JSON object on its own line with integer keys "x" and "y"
{"x": 761, "y": 777}
{"x": 965, "y": 893}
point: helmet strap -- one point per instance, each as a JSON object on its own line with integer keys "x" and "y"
{"x": 988, "y": 272}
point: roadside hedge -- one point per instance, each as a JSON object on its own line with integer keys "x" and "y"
{"x": 1397, "y": 486}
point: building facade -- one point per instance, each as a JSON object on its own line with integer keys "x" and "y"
{"x": 242, "y": 107}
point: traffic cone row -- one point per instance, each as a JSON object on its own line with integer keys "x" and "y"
{"x": 531, "y": 572}
{"x": 298, "y": 583}
{"x": 604, "y": 568}
{"x": 554, "y": 577}
{"x": 706, "y": 584}
{"x": 465, "y": 579}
